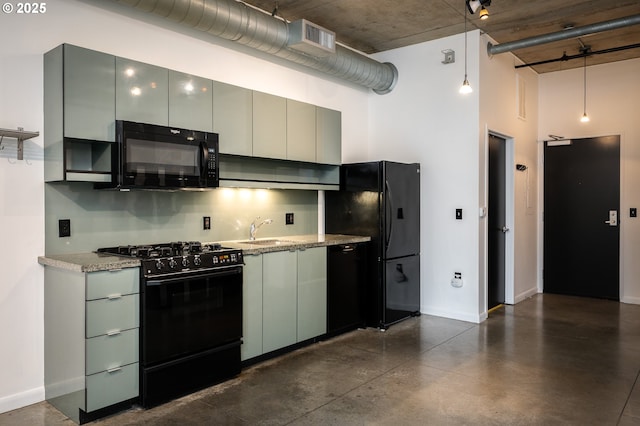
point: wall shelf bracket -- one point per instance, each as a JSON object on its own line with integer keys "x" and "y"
{"x": 19, "y": 134}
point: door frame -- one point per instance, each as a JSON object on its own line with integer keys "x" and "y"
{"x": 509, "y": 261}
{"x": 622, "y": 207}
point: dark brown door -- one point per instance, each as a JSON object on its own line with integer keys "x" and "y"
{"x": 581, "y": 207}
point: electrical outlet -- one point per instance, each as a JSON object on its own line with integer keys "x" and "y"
{"x": 288, "y": 218}
{"x": 64, "y": 228}
{"x": 456, "y": 281}
{"x": 206, "y": 222}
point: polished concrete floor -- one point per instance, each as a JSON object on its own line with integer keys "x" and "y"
{"x": 550, "y": 360}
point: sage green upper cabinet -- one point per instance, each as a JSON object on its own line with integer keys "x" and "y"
{"x": 142, "y": 93}
{"x": 328, "y": 136}
{"x": 233, "y": 118}
{"x": 301, "y": 131}
{"x": 89, "y": 94}
{"x": 79, "y": 114}
{"x": 190, "y": 102}
{"x": 269, "y": 126}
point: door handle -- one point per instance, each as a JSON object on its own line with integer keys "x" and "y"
{"x": 504, "y": 229}
{"x": 613, "y": 218}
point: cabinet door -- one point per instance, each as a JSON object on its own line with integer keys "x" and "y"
{"x": 279, "y": 300}
{"x": 112, "y": 386}
{"x": 142, "y": 93}
{"x": 190, "y": 102}
{"x": 252, "y": 307}
{"x": 103, "y": 284}
{"x": 301, "y": 131}
{"x": 89, "y": 94}
{"x": 329, "y": 136}
{"x": 107, "y": 352}
{"x": 233, "y": 118}
{"x": 269, "y": 126}
{"x": 312, "y": 293}
{"x": 106, "y": 316}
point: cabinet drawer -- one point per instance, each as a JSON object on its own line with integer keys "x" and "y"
{"x": 105, "y": 315}
{"x": 110, "y": 387}
{"x": 106, "y": 283}
{"x": 111, "y": 351}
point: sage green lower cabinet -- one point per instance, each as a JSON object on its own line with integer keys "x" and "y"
{"x": 91, "y": 340}
{"x": 251, "y": 307}
{"x": 284, "y": 299}
{"x": 312, "y": 293}
{"x": 279, "y": 300}
{"x": 112, "y": 386}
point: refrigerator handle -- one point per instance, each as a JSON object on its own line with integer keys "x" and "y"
{"x": 389, "y": 214}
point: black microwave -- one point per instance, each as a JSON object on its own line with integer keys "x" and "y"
{"x": 148, "y": 156}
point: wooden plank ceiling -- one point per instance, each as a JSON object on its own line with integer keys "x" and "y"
{"x": 372, "y": 26}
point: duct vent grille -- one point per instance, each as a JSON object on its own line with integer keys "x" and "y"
{"x": 310, "y": 38}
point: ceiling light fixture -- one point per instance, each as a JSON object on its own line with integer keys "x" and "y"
{"x": 466, "y": 87}
{"x": 474, "y": 5}
{"x": 484, "y": 13}
{"x": 585, "y": 117}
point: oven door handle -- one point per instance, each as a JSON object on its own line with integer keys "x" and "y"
{"x": 209, "y": 273}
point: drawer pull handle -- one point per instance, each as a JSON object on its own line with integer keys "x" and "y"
{"x": 114, "y": 370}
{"x": 113, "y": 332}
{"x": 114, "y": 296}
{"x": 115, "y": 270}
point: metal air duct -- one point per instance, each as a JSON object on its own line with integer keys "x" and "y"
{"x": 235, "y": 21}
{"x": 494, "y": 49}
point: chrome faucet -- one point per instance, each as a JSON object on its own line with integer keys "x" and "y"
{"x": 253, "y": 229}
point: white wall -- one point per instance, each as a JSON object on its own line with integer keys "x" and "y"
{"x": 23, "y": 41}
{"x": 499, "y": 114}
{"x": 424, "y": 119}
{"x": 613, "y": 102}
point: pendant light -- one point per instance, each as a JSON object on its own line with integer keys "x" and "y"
{"x": 466, "y": 87}
{"x": 585, "y": 117}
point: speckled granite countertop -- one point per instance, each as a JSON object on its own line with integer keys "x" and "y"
{"x": 88, "y": 262}
{"x": 269, "y": 244}
{"x": 93, "y": 262}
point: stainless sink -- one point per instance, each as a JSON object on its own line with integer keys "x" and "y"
{"x": 267, "y": 242}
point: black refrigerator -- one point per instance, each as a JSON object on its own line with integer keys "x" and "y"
{"x": 382, "y": 200}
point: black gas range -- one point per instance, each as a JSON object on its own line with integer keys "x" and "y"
{"x": 190, "y": 316}
{"x": 178, "y": 256}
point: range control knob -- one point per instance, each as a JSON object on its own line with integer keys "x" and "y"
{"x": 185, "y": 261}
{"x": 173, "y": 263}
{"x": 159, "y": 265}
{"x": 197, "y": 261}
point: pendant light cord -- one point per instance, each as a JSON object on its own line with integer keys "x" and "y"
{"x": 465, "y": 40}
{"x": 585, "y": 85}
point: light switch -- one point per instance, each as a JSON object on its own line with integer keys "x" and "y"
{"x": 458, "y": 214}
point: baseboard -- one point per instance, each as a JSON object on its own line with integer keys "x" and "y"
{"x": 631, "y": 300}
{"x": 461, "y": 316}
{"x": 22, "y": 399}
{"x": 525, "y": 295}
